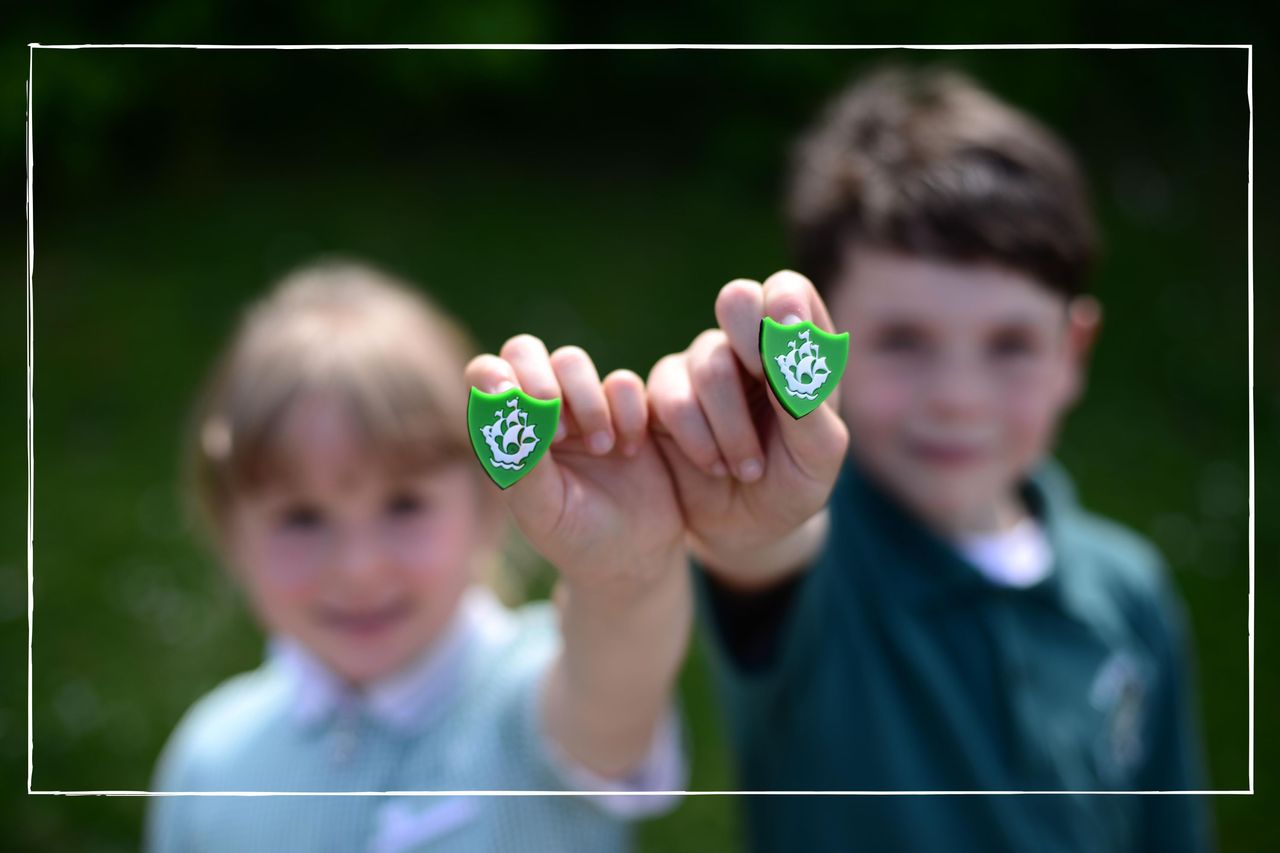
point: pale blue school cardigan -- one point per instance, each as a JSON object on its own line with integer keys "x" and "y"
{"x": 464, "y": 718}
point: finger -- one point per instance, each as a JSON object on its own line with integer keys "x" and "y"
{"x": 490, "y": 374}
{"x": 739, "y": 307}
{"x": 717, "y": 382}
{"x": 584, "y": 396}
{"x": 790, "y": 297}
{"x": 676, "y": 410}
{"x": 695, "y": 486}
{"x": 494, "y": 375}
{"x": 531, "y": 362}
{"x": 817, "y": 442}
{"x": 537, "y": 498}
{"x": 567, "y": 427}
{"x": 630, "y": 410}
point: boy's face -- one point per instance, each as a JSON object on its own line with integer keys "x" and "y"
{"x": 361, "y": 564}
{"x": 957, "y": 376}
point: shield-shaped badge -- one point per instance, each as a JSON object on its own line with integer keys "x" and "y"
{"x": 802, "y": 363}
{"x": 510, "y": 432}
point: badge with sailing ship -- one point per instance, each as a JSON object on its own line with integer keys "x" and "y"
{"x": 802, "y": 363}
{"x": 510, "y": 432}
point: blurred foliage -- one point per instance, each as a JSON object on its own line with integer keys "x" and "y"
{"x": 592, "y": 197}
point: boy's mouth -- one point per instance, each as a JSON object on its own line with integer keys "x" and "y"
{"x": 367, "y": 621}
{"x": 950, "y": 454}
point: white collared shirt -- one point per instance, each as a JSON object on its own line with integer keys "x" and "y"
{"x": 1018, "y": 557}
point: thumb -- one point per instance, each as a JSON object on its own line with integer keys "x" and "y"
{"x": 816, "y": 442}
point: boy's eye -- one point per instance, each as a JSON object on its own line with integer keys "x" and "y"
{"x": 301, "y": 517}
{"x": 899, "y": 339}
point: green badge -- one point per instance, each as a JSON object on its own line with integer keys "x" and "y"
{"x": 510, "y": 432}
{"x": 803, "y": 363}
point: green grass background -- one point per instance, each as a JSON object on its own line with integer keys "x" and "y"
{"x": 591, "y": 198}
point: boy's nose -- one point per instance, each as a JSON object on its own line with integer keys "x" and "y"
{"x": 957, "y": 389}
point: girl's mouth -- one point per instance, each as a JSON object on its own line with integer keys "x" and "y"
{"x": 365, "y": 622}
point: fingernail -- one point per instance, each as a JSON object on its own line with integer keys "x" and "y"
{"x": 718, "y": 469}
{"x": 503, "y": 386}
{"x": 791, "y": 319}
{"x": 561, "y": 432}
{"x": 750, "y": 471}
{"x": 600, "y": 442}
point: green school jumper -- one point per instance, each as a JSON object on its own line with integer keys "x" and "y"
{"x": 247, "y": 736}
{"x": 893, "y": 664}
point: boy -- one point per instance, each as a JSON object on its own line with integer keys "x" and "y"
{"x": 948, "y": 618}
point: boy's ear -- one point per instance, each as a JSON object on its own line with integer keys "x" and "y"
{"x": 1084, "y": 322}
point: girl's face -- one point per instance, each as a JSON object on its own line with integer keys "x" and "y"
{"x": 362, "y": 564}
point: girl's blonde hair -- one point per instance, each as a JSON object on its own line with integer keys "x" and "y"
{"x": 336, "y": 327}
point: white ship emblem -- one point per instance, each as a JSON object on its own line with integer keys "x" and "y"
{"x": 510, "y": 437}
{"x": 804, "y": 369}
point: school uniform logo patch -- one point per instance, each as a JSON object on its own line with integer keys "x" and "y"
{"x": 802, "y": 363}
{"x": 1119, "y": 692}
{"x": 510, "y": 432}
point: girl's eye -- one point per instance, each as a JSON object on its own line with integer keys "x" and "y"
{"x": 405, "y": 505}
{"x": 302, "y": 517}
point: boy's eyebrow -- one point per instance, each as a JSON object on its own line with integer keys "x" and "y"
{"x": 897, "y": 316}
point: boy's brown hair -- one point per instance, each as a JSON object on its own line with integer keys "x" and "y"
{"x": 928, "y": 163}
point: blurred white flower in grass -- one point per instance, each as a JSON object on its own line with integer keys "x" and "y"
{"x": 148, "y": 593}
{"x": 78, "y": 707}
{"x": 1224, "y": 491}
{"x": 159, "y": 513}
{"x": 1178, "y": 538}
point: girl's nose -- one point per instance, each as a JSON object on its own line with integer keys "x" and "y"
{"x": 359, "y": 556}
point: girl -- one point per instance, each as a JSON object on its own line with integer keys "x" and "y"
{"x": 331, "y": 462}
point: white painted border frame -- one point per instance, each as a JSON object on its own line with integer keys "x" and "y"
{"x": 32, "y": 47}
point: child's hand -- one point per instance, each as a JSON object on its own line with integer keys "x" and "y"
{"x": 600, "y": 505}
{"x": 753, "y": 481}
